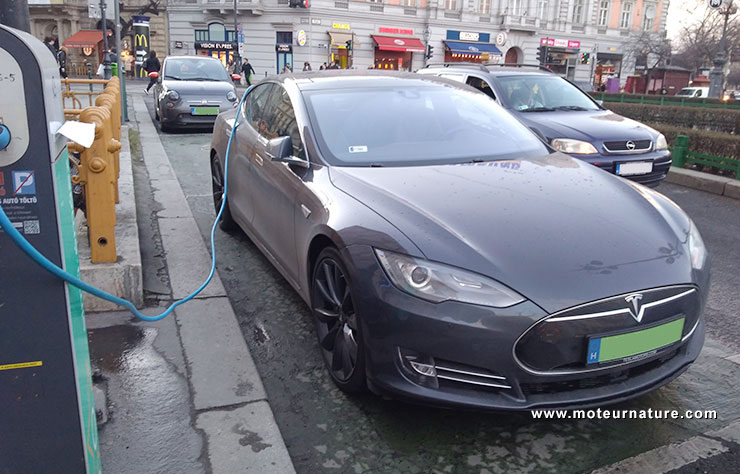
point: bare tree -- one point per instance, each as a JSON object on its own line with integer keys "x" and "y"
{"x": 700, "y": 41}
{"x": 653, "y": 50}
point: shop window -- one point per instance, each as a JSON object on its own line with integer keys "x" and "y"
{"x": 201, "y": 35}
{"x": 603, "y": 12}
{"x": 625, "y": 20}
{"x": 515, "y": 7}
{"x": 578, "y": 11}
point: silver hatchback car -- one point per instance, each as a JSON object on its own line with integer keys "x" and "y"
{"x": 192, "y": 91}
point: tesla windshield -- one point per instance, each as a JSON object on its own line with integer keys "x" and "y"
{"x": 431, "y": 124}
{"x": 542, "y": 93}
{"x": 194, "y": 69}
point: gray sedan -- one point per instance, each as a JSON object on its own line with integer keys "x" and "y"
{"x": 451, "y": 257}
{"x": 192, "y": 91}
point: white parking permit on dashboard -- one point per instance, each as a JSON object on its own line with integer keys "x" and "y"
{"x": 358, "y": 149}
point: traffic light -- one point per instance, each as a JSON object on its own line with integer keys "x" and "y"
{"x": 585, "y": 58}
{"x": 349, "y": 45}
{"x": 542, "y": 55}
{"x": 430, "y": 51}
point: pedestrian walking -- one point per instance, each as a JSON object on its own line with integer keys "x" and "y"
{"x": 247, "y": 71}
{"x": 306, "y": 66}
{"x": 287, "y": 69}
{"x": 151, "y": 65}
{"x": 49, "y": 42}
{"x": 62, "y": 60}
{"x": 323, "y": 66}
{"x": 333, "y": 65}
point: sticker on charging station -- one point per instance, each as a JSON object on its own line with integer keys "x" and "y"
{"x": 24, "y": 183}
{"x": 2, "y": 184}
{"x": 22, "y": 365}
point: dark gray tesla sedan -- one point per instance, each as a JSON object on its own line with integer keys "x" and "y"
{"x": 191, "y": 91}
{"x": 451, "y": 257}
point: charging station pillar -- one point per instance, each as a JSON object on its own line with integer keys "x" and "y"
{"x": 47, "y": 412}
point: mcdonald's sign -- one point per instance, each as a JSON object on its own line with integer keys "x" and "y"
{"x": 141, "y": 41}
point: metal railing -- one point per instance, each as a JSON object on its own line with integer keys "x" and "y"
{"x": 666, "y": 100}
{"x": 98, "y": 167}
{"x": 681, "y": 155}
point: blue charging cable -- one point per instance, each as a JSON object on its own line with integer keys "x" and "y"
{"x": 47, "y": 265}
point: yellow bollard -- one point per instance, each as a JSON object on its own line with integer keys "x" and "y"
{"x": 96, "y": 173}
{"x": 108, "y": 101}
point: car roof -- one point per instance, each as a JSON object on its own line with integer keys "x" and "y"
{"x": 209, "y": 58}
{"x": 354, "y": 79}
{"x": 493, "y": 70}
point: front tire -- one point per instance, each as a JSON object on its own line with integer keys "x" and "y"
{"x": 337, "y": 325}
{"x": 227, "y": 224}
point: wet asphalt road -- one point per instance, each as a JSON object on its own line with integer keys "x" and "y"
{"x": 327, "y": 431}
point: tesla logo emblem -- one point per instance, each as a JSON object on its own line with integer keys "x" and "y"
{"x": 630, "y": 145}
{"x": 636, "y": 310}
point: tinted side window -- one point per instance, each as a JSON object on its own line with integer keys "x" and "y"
{"x": 256, "y": 105}
{"x": 481, "y": 85}
{"x": 283, "y": 122}
{"x": 454, "y": 77}
{"x": 698, "y": 93}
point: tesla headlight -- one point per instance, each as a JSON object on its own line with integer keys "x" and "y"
{"x": 231, "y": 96}
{"x": 661, "y": 143}
{"x": 436, "y": 282}
{"x": 173, "y": 96}
{"x": 567, "y": 145}
{"x": 697, "y": 250}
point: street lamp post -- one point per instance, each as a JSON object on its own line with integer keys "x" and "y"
{"x": 106, "y": 56}
{"x": 717, "y": 74}
{"x": 237, "y": 59}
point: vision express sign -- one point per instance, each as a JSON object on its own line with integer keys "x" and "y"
{"x": 214, "y": 45}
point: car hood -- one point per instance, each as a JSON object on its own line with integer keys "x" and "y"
{"x": 198, "y": 87}
{"x": 557, "y": 230}
{"x": 591, "y": 126}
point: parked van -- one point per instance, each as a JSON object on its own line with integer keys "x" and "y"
{"x": 693, "y": 92}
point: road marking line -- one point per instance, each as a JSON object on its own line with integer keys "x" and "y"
{"x": 667, "y": 458}
{"x": 735, "y": 359}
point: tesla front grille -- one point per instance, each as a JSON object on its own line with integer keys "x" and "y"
{"x": 628, "y": 146}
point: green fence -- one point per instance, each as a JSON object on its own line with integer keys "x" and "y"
{"x": 681, "y": 155}
{"x": 665, "y": 100}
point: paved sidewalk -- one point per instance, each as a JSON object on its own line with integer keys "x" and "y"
{"x": 183, "y": 393}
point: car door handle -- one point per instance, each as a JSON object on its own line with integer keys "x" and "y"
{"x": 258, "y": 159}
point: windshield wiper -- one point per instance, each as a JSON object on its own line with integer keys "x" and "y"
{"x": 173, "y": 77}
{"x": 570, "y": 107}
{"x": 538, "y": 109}
{"x": 204, "y": 79}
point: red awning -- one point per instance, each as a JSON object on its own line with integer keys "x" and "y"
{"x": 84, "y": 39}
{"x": 389, "y": 43}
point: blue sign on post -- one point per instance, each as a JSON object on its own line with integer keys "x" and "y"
{"x": 241, "y": 37}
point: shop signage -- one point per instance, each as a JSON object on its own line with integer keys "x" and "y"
{"x": 395, "y": 31}
{"x": 469, "y": 36}
{"x": 283, "y": 48}
{"x": 178, "y": 44}
{"x": 301, "y": 38}
{"x": 304, "y": 21}
{"x": 340, "y": 26}
{"x": 213, "y": 45}
{"x": 501, "y": 39}
{"x": 560, "y": 43}
{"x": 315, "y": 21}
{"x": 399, "y": 42}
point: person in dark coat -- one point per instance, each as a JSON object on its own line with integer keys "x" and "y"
{"x": 62, "y": 60}
{"x": 49, "y": 42}
{"x": 152, "y": 65}
{"x": 247, "y": 70}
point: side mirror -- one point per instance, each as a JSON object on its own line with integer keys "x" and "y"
{"x": 154, "y": 75}
{"x": 281, "y": 149}
{"x": 236, "y": 77}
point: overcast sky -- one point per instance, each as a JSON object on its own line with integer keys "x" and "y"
{"x": 682, "y": 13}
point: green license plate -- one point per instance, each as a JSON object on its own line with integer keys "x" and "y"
{"x": 620, "y": 346}
{"x": 204, "y": 111}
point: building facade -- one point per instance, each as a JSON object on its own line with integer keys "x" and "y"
{"x": 394, "y": 34}
{"x": 63, "y": 19}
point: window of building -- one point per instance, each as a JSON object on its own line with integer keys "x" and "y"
{"x": 408, "y": 3}
{"x": 578, "y": 11}
{"x": 516, "y": 7}
{"x": 215, "y": 32}
{"x": 543, "y": 6}
{"x": 284, "y": 37}
{"x": 603, "y": 12}
{"x": 451, "y": 4}
{"x": 484, "y": 7}
{"x": 647, "y": 20}
{"x": 625, "y": 20}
